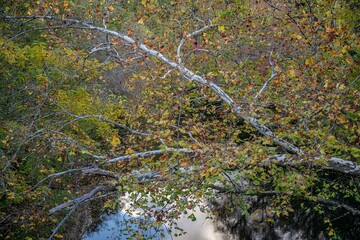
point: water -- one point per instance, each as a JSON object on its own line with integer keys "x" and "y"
{"x": 303, "y": 223}
{"x": 116, "y": 226}
{"x": 126, "y": 222}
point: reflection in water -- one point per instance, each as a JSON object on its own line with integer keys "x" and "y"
{"x": 230, "y": 223}
{"x": 202, "y": 229}
{"x": 302, "y": 223}
{"x": 128, "y": 222}
{"x": 121, "y": 225}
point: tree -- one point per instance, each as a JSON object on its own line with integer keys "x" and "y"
{"x": 211, "y": 97}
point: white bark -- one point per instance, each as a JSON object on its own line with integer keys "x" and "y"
{"x": 332, "y": 163}
{"x": 147, "y": 154}
{"x": 273, "y": 75}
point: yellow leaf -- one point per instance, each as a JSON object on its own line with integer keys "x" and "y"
{"x": 221, "y": 28}
{"x": 141, "y": 21}
{"x": 342, "y": 87}
{"x": 111, "y": 9}
{"x": 345, "y": 49}
{"x": 129, "y": 151}
{"x": 195, "y": 146}
{"x": 308, "y": 61}
{"x": 58, "y": 235}
{"x": 329, "y": 14}
{"x": 115, "y": 141}
{"x": 11, "y": 196}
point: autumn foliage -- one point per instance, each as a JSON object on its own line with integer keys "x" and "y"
{"x": 169, "y": 99}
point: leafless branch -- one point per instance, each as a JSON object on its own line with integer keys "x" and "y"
{"x": 34, "y": 30}
{"x": 167, "y": 73}
{"x": 189, "y": 36}
{"x": 85, "y": 170}
{"x": 102, "y": 118}
{"x": 273, "y": 75}
{"x": 187, "y": 132}
{"x": 63, "y": 221}
{"x": 147, "y": 154}
{"x": 77, "y": 202}
{"x": 332, "y": 163}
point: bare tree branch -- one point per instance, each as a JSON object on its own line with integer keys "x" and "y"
{"x": 79, "y": 200}
{"x": 332, "y": 163}
{"x": 147, "y": 154}
{"x": 86, "y": 170}
{"x": 247, "y": 192}
{"x": 119, "y": 125}
{"x": 273, "y": 75}
{"x": 76, "y": 203}
{"x": 63, "y": 221}
{"x": 102, "y": 118}
{"x": 189, "y": 36}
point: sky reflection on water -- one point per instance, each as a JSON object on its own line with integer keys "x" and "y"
{"x": 114, "y": 226}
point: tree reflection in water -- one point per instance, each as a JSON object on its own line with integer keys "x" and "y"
{"x": 230, "y": 222}
{"x": 122, "y": 226}
{"x": 260, "y": 223}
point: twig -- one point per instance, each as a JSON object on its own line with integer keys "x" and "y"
{"x": 102, "y": 118}
{"x": 167, "y": 73}
{"x": 188, "y": 36}
{"x": 273, "y": 74}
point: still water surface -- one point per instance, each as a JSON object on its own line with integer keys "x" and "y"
{"x": 302, "y": 223}
{"x": 201, "y": 229}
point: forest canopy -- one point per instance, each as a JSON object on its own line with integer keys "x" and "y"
{"x": 179, "y": 101}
